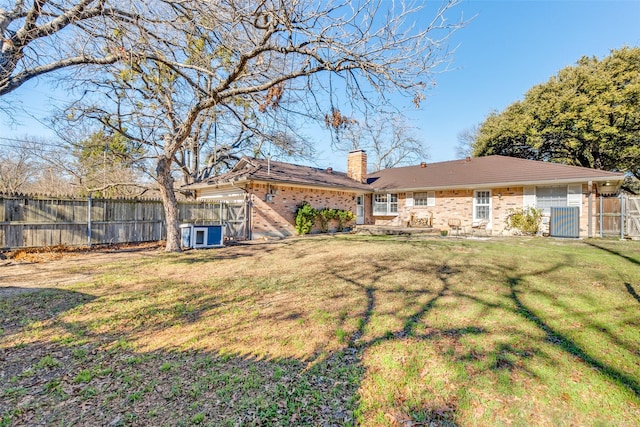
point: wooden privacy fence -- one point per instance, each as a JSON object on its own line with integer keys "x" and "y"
{"x": 618, "y": 216}
{"x": 30, "y": 221}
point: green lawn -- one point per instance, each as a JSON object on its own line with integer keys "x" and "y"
{"x": 343, "y": 330}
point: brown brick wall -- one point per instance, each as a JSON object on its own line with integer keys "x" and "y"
{"x": 459, "y": 204}
{"x": 276, "y": 218}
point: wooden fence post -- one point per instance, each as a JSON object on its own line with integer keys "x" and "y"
{"x": 89, "y": 220}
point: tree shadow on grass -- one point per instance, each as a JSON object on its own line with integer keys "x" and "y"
{"x": 627, "y": 285}
{"x": 21, "y": 306}
{"x": 103, "y": 373}
{"x": 632, "y": 291}
{"x": 613, "y": 252}
{"x": 568, "y": 345}
{"x": 437, "y": 413}
{"x": 88, "y": 385}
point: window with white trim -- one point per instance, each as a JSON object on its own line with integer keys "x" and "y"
{"x": 552, "y": 196}
{"x": 385, "y": 204}
{"x": 546, "y": 197}
{"x": 482, "y": 205}
{"x": 427, "y": 198}
{"x": 408, "y": 200}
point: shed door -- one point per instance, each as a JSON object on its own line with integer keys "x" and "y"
{"x": 359, "y": 210}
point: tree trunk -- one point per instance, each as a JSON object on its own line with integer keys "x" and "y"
{"x": 170, "y": 204}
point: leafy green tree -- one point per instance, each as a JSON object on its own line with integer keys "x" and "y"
{"x": 587, "y": 115}
{"x": 105, "y": 165}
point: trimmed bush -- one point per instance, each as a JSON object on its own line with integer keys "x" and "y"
{"x": 305, "y": 218}
{"x": 525, "y": 221}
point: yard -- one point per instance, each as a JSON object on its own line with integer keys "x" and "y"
{"x": 344, "y": 330}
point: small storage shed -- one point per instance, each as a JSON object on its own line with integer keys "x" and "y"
{"x": 202, "y": 236}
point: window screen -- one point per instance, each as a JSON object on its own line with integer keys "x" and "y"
{"x": 548, "y": 197}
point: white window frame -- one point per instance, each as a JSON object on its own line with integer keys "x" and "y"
{"x": 554, "y": 200}
{"x": 424, "y": 198}
{"x": 408, "y": 200}
{"x": 573, "y": 196}
{"x": 477, "y": 205}
{"x": 387, "y": 205}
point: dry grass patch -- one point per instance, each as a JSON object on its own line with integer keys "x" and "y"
{"x": 331, "y": 330}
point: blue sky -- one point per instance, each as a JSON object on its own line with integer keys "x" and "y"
{"x": 511, "y": 46}
{"x": 506, "y": 49}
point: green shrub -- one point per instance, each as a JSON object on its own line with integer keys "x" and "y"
{"x": 325, "y": 216}
{"x": 525, "y": 221}
{"x": 344, "y": 217}
{"x": 305, "y": 218}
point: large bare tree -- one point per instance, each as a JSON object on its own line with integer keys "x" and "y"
{"x": 174, "y": 70}
{"x": 235, "y": 64}
{"x": 17, "y": 168}
{"x": 466, "y": 140}
{"x": 42, "y": 36}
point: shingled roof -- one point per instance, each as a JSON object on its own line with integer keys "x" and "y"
{"x": 482, "y": 172}
{"x": 477, "y": 172}
{"x": 251, "y": 169}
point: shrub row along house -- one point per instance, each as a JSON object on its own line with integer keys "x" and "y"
{"x": 462, "y": 193}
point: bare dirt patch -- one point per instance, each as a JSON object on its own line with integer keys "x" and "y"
{"x": 29, "y": 270}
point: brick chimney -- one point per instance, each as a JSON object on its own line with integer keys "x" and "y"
{"x": 357, "y": 165}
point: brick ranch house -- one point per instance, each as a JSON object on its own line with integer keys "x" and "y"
{"x": 465, "y": 192}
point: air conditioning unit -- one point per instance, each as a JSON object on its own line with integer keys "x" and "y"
{"x": 201, "y": 236}
{"x": 565, "y": 222}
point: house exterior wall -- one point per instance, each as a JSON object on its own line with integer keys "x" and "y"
{"x": 276, "y": 218}
{"x": 449, "y": 204}
{"x": 458, "y": 204}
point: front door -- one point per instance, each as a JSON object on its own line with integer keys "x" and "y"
{"x": 359, "y": 210}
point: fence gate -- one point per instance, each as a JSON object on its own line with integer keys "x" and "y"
{"x": 609, "y": 216}
{"x": 235, "y": 221}
{"x": 618, "y": 216}
{"x": 633, "y": 217}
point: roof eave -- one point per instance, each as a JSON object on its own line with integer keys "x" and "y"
{"x": 244, "y": 181}
{"x": 221, "y": 184}
{"x": 314, "y": 186}
{"x": 471, "y": 186}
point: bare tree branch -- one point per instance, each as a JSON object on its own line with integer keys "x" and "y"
{"x": 249, "y": 71}
{"x": 32, "y": 38}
